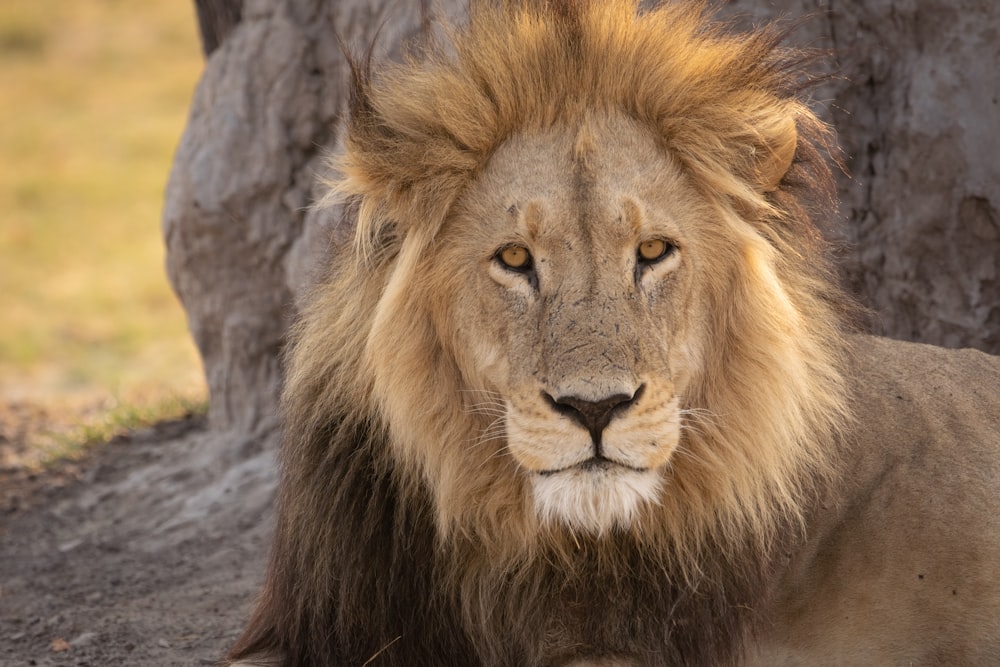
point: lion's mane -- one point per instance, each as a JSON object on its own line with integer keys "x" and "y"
{"x": 377, "y": 553}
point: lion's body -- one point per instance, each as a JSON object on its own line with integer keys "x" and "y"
{"x": 582, "y": 392}
{"x": 902, "y": 561}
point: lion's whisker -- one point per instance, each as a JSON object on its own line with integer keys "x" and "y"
{"x": 484, "y": 410}
{"x": 682, "y": 451}
{"x": 496, "y": 429}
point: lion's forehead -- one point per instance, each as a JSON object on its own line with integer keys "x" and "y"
{"x": 584, "y": 187}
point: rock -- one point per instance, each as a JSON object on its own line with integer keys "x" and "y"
{"x": 916, "y": 102}
{"x": 242, "y": 182}
{"x": 83, "y": 639}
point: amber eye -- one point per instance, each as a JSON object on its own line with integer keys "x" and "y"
{"x": 654, "y": 249}
{"x": 515, "y": 257}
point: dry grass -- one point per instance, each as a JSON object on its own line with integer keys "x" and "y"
{"x": 94, "y": 99}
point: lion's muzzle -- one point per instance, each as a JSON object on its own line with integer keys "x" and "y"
{"x": 593, "y": 415}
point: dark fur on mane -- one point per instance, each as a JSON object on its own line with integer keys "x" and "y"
{"x": 360, "y": 575}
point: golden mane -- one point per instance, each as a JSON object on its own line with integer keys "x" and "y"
{"x": 760, "y": 417}
{"x": 770, "y": 397}
{"x": 419, "y": 132}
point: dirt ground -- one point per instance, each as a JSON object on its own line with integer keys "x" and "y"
{"x": 148, "y": 552}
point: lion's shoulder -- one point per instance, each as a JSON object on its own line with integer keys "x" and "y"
{"x": 912, "y": 527}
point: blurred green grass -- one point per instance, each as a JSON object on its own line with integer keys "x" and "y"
{"x": 93, "y": 99}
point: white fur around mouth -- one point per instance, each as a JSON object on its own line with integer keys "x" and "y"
{"x": 594, "y": 498}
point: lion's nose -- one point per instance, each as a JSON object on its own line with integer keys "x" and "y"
{"x": 593, "y": 415}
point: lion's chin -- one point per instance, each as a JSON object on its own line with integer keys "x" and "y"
{"x": 595, "y": 499}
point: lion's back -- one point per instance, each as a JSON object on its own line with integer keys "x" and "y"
{"x": 903, "y": 562}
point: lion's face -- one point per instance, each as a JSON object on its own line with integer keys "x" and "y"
{"x": 572, "y": 310}
{"x": 587, "y": 290}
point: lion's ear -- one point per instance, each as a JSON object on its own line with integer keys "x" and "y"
{"x": 779, "y": 139}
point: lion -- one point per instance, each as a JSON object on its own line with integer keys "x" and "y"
{"x": 585, "y": 389}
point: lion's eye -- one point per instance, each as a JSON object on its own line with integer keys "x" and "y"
{"x": 515, "y": 257}
{"x": 653, "y": 250}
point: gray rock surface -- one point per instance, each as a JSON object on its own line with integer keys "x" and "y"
{"x": 916, "y": 103}
{"x": 237, "y": 221}
{"x": 914, "y": 98}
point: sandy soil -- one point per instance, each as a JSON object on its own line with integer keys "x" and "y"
{"x": 149, "y": 552}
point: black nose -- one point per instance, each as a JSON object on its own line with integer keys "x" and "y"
{"x": 593, "y": 415}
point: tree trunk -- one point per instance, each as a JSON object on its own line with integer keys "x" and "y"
{"x": 915, "y": 102}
